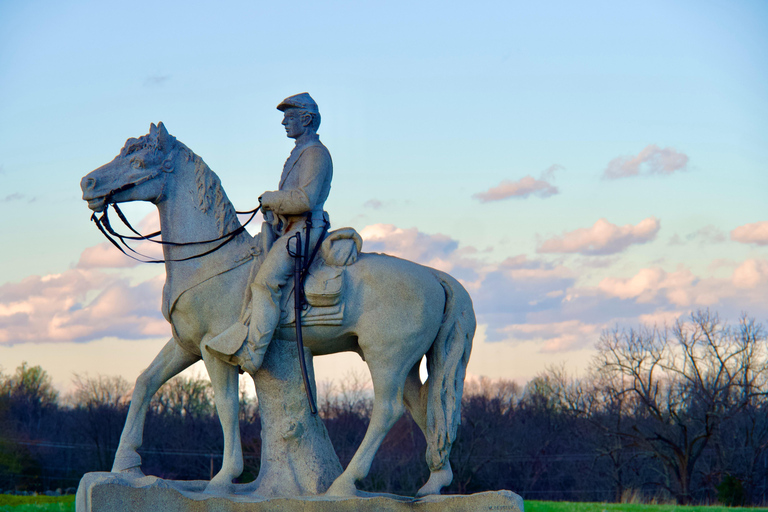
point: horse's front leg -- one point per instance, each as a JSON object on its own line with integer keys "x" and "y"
{"x": 224, "y": 379}
{"x": 171, "y": 361}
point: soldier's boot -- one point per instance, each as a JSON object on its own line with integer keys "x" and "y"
{"x": 255, "y": 328}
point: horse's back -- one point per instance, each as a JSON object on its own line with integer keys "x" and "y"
{"x": 392, "y": 296}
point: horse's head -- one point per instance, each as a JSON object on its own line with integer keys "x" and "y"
{"x": 136, "y": 174}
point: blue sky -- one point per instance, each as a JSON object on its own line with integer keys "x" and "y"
{"x": 426, "y": 107}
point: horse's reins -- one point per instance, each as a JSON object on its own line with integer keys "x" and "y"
{"x": 106, "y": 229}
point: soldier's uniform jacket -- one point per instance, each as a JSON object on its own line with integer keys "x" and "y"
{"x": 304, "y": 187}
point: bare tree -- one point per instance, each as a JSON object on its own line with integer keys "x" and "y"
{"x": 102, "y": 390}
{"x": 680, "y": 384}
{"x": 185, "y": 397}
{"x": 99, "y": 405}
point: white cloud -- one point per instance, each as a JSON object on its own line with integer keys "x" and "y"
{"x": 410, "y": 244}
{"x": 649, "y": 283}
{"x": 79, "y": 305}
{"x": 755, "y": 233}
{"x": 750, "y": 274}
{"x": 744, "y": 290}
{"x": 651, "y": 160}
{"x": 602, "y": 238}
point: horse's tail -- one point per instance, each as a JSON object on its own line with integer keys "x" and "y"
{"x": 447, "y": 364}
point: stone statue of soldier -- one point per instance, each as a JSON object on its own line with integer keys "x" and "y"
{"x": 294, "y": 207}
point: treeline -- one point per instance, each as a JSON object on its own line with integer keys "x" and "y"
{"x": 677, "y": 413}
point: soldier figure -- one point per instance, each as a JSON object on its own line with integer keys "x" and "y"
{"x": 304, "y": 187}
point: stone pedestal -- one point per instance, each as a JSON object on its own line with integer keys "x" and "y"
{"x": 111, "y": 492}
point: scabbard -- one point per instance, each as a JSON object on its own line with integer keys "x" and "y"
{"x": 297, "y": 289}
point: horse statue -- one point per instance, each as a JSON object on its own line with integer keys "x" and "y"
{"x": 395, "y": 312}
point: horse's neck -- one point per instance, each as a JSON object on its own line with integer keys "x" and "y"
{"x": 182, "y": 219}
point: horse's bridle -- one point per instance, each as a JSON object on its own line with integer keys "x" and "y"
{"x": 106, "y": 228}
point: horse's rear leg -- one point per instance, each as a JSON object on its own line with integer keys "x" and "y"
{"x": 171, "y": 361}
{"x": 415, "y": 397}
{"x": 224, "y": 379}
{"x": 387, "y": 409}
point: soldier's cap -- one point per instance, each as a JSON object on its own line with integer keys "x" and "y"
{"x": 303, "y": 101}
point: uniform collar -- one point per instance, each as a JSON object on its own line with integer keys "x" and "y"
{"x": 306, "y": 140}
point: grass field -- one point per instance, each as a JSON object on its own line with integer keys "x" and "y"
{"x": 67, "y": 504}
{"x": 550, "y": 506}
{"x": 10, "y": 503}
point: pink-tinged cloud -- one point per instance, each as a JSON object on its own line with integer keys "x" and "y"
{"x": 522, "y": 188}
{"x": 649, "y": 283}
{"x": 521, "y": 268}
{"x": 745, "y": 290}
{"x": 523, "y": 299}
{"x": 556, "y": 336}
{"x": 602, "y": 238}
{"x": 106, "y": 255}
{"x": 751, "y": 274}
{"x": 79, "y": 305}
{"x": 755, "y": 233}
{"x": 411, "y": 244}
{"x": 651, "y": 160}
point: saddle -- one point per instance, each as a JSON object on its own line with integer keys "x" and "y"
{"x": 324, "y": 284}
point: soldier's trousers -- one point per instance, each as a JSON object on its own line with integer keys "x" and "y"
{"x": 269, "y": 285}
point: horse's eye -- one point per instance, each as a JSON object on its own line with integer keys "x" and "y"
{"x": 137, "y": 163}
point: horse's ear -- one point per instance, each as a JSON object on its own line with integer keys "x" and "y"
{"x": 164, "y": 139}
{"x": 152, "y": 130}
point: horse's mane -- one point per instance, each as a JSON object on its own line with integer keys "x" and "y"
{"x": 210, "y": 194}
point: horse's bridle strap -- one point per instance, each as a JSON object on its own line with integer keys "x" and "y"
{"x": 106, "y": 229}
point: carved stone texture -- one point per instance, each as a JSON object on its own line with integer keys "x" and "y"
{"x": 111, "y": 492}
{"x": 297, "y": 457}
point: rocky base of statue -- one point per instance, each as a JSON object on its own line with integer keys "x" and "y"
{"x": 297, "y": 457}
{"x": 113, "y": 492}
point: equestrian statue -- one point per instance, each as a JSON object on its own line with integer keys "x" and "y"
{"x": 231, "y": 297}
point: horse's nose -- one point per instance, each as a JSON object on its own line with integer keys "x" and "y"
{"x": 87, "y": 184}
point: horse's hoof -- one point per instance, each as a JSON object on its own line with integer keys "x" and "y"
{"x": 342, "y": 489}
{"x": 219, "y": 488}
{"x": 437, "y": 480}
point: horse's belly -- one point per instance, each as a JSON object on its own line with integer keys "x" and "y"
{"x": 321, "y": 339}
